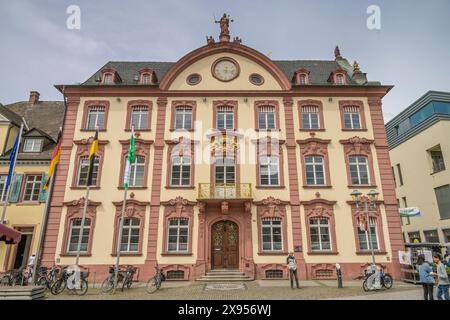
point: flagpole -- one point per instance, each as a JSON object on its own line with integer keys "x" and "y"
{"x": 8, "y": 192}
{"x": 43, "y": 227}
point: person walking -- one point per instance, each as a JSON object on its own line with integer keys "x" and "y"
{"x": 292, "y": 266}
{"x": 443, "y": 282}
{"x": 426, "y": 277}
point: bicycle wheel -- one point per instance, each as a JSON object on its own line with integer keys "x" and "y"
{"x": 58, "y": 287}
{"x": 108, "y": 284}
{"x": 151, "y": 285}
{"x": 364, "y": 285}
{"x": 387, "y": 283}
{"x": 5, "y": 281}
{"x": 42, "y": 281}
{"x": 83, "y": 288}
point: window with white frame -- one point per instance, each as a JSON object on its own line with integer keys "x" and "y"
{"x": 271, "y": 234}
{"x": 139, "y": 117}
{"x": 32, "y": 145}
{"x": 178, "y": 235}
{"x": 352, "y": 118}
{"x": 266, "y": 117}
{"x": 340, "y": 79}
{"x": 319, "y": 229}
{"x": 108, "y": 79}
{"x": 225, "y": 117}
{"x": 146, "y": 79}
{"x": 269, "y": 170}
{"x": 137, "y": 172}
{"x": 3, "y": 179}
{"x": 315, "y": 171}
{"x": 83, "y": 171}
{"x": 74, "y": 233}
{"x": 95, "y": 118}
{"x": 181, "y": 171}
{"x": 359, "y": 170}
{"x": 130, "y": 235}
{"x": 363, "y": 236}
{"x": 310, "y": 117}
{"x": 224, "y": 170}
{"x": 303, "y": 79}
{"x": 32, "y": 187}
{"x": 183, "y": 117}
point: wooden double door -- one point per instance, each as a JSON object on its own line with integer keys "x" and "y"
{"x": 225, "y": 245}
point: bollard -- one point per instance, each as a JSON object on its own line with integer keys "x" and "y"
{"x": 339, "y": 275}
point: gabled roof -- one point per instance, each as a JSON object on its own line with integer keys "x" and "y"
{"x": 10, "y": 115}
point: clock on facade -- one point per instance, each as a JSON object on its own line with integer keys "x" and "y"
{"x": 225, "y": 69}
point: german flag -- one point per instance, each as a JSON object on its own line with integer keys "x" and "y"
{"x": 92, "y": 153}
{"x": 55, "y": 159}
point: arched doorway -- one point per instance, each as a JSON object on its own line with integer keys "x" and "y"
{"x": 225, "y": 245}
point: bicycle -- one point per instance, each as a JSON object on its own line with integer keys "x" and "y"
{"x": 124, "y": 276}
{"x": 47, "y": 277}
{"x": 386, "y": 280}
{"x": 154, "y": 283}
{"x": 15, "y": 277}
{"x": 59, "y": 285}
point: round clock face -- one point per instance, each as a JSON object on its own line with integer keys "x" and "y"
{"x": 225, "y": 70}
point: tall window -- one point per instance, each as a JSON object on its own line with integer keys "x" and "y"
{"x": 303, "y": 79}
{"x": 363, "y": 236}
{"x": 266, "y": 117}
{"x": 130, "y": 235}
{"x": 438, "y": 160}
{"x": 32, "y": 188}
{"x": 96, "y": 118}
{"x": 146, "y": 79}
{"x": 181, "y": 171}
{"x": 352, "y": 118}
{"x": 271, "y": 234}
{"x": 320, "y": 234}
{"x": 178, "y": 235}
{"x": 137, "y": 172}
{"x": 224, "y": 171}
{"x": 225, "y": 117}
{"x": 108, "y": 79}
{"x": 340, "y": 79}
{"x": 74, "y": 233}
{"x": 83, "y": 171}
{"x": 32, "y": 145}
{"x": 3, "y": 187}
{"x": 183, "y": 117}
{"x": 310, "y": 117}
{"x": 400, "y": 176}
{"x": 443, "y": 201}
{"x": 431, "y": 236}
{"x": 359, "y": 170}
{"x": 314, "y": 166}
{"x": 269, "y": 170}
{"x": 139, "y": 117}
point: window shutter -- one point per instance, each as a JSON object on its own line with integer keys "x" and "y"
{"x": 42, "y": 192}
{"x": 16, "y": 187}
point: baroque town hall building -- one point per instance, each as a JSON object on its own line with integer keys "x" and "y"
{"x": 240, "y": 160}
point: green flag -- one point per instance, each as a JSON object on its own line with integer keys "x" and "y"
{"x": 131, "y": 158}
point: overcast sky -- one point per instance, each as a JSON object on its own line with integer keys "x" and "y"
{"x": 411, "y": 50}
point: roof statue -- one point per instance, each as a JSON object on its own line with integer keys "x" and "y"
{"x": 224, "y": 27}
{"x": 337, "y": 53}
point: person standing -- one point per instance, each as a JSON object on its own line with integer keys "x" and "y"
{"x": 443, "y": 282}
{"x": 426, "y": 277}
{"x": 30, "y": 265}
{"x": 292, "y": 266}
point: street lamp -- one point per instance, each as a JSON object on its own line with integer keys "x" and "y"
{"x": 367, "y": 202}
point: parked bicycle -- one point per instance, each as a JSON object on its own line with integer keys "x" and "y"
{"x": 46, "y": 277}
{"x": 15, "y": 277}
{"x": 124, "y": 278}
{"x": 67, "y": 277}
{"x": 386, "y": 280}
{"x": 154, "y": 283}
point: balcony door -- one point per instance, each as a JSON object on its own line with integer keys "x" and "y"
{"x": 225, "y": 245}
{"x": 225, "y": 177}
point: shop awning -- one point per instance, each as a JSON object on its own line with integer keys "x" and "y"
{"x": 9, "y": 235}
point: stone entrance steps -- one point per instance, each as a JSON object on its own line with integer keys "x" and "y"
{"x": 224, "y": 275}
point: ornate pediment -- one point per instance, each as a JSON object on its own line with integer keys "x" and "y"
{"x": 272, "y": 207}
{"x": 357, "y": 145}
{"x": 178, "y": 206}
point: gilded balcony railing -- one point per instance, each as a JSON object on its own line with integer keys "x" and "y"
{"x": 222, "y": 191}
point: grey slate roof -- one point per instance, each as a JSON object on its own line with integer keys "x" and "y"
{"x": 320, "y": 70}
{"x": 45, "y": 117}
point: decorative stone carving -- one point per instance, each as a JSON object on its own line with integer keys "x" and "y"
{"x": 224, "y": 207}
{"x": 357, "y": 145}
{"x": 178, "y": 206}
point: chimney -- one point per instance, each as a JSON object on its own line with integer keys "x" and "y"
{"x": 34, "y": 97}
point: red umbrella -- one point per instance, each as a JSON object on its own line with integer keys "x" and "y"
{"x": 8, "y": 235}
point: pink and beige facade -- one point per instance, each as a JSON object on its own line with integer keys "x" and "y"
{"x": 240, "y": 160}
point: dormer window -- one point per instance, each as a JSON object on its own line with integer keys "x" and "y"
{"x": 32, "y": 145}
{"x": 146, "y": 78}
{"x": 302, "y": 77}
{"x": 110, "y": 76}
{"x": 340, "y": 79}
{"x": 108, "y": 79}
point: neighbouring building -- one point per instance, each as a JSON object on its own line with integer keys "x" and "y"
{"x": 240, "y": 159}
{"x": 419, "y": 143}
{"x": 41, "y": 120}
